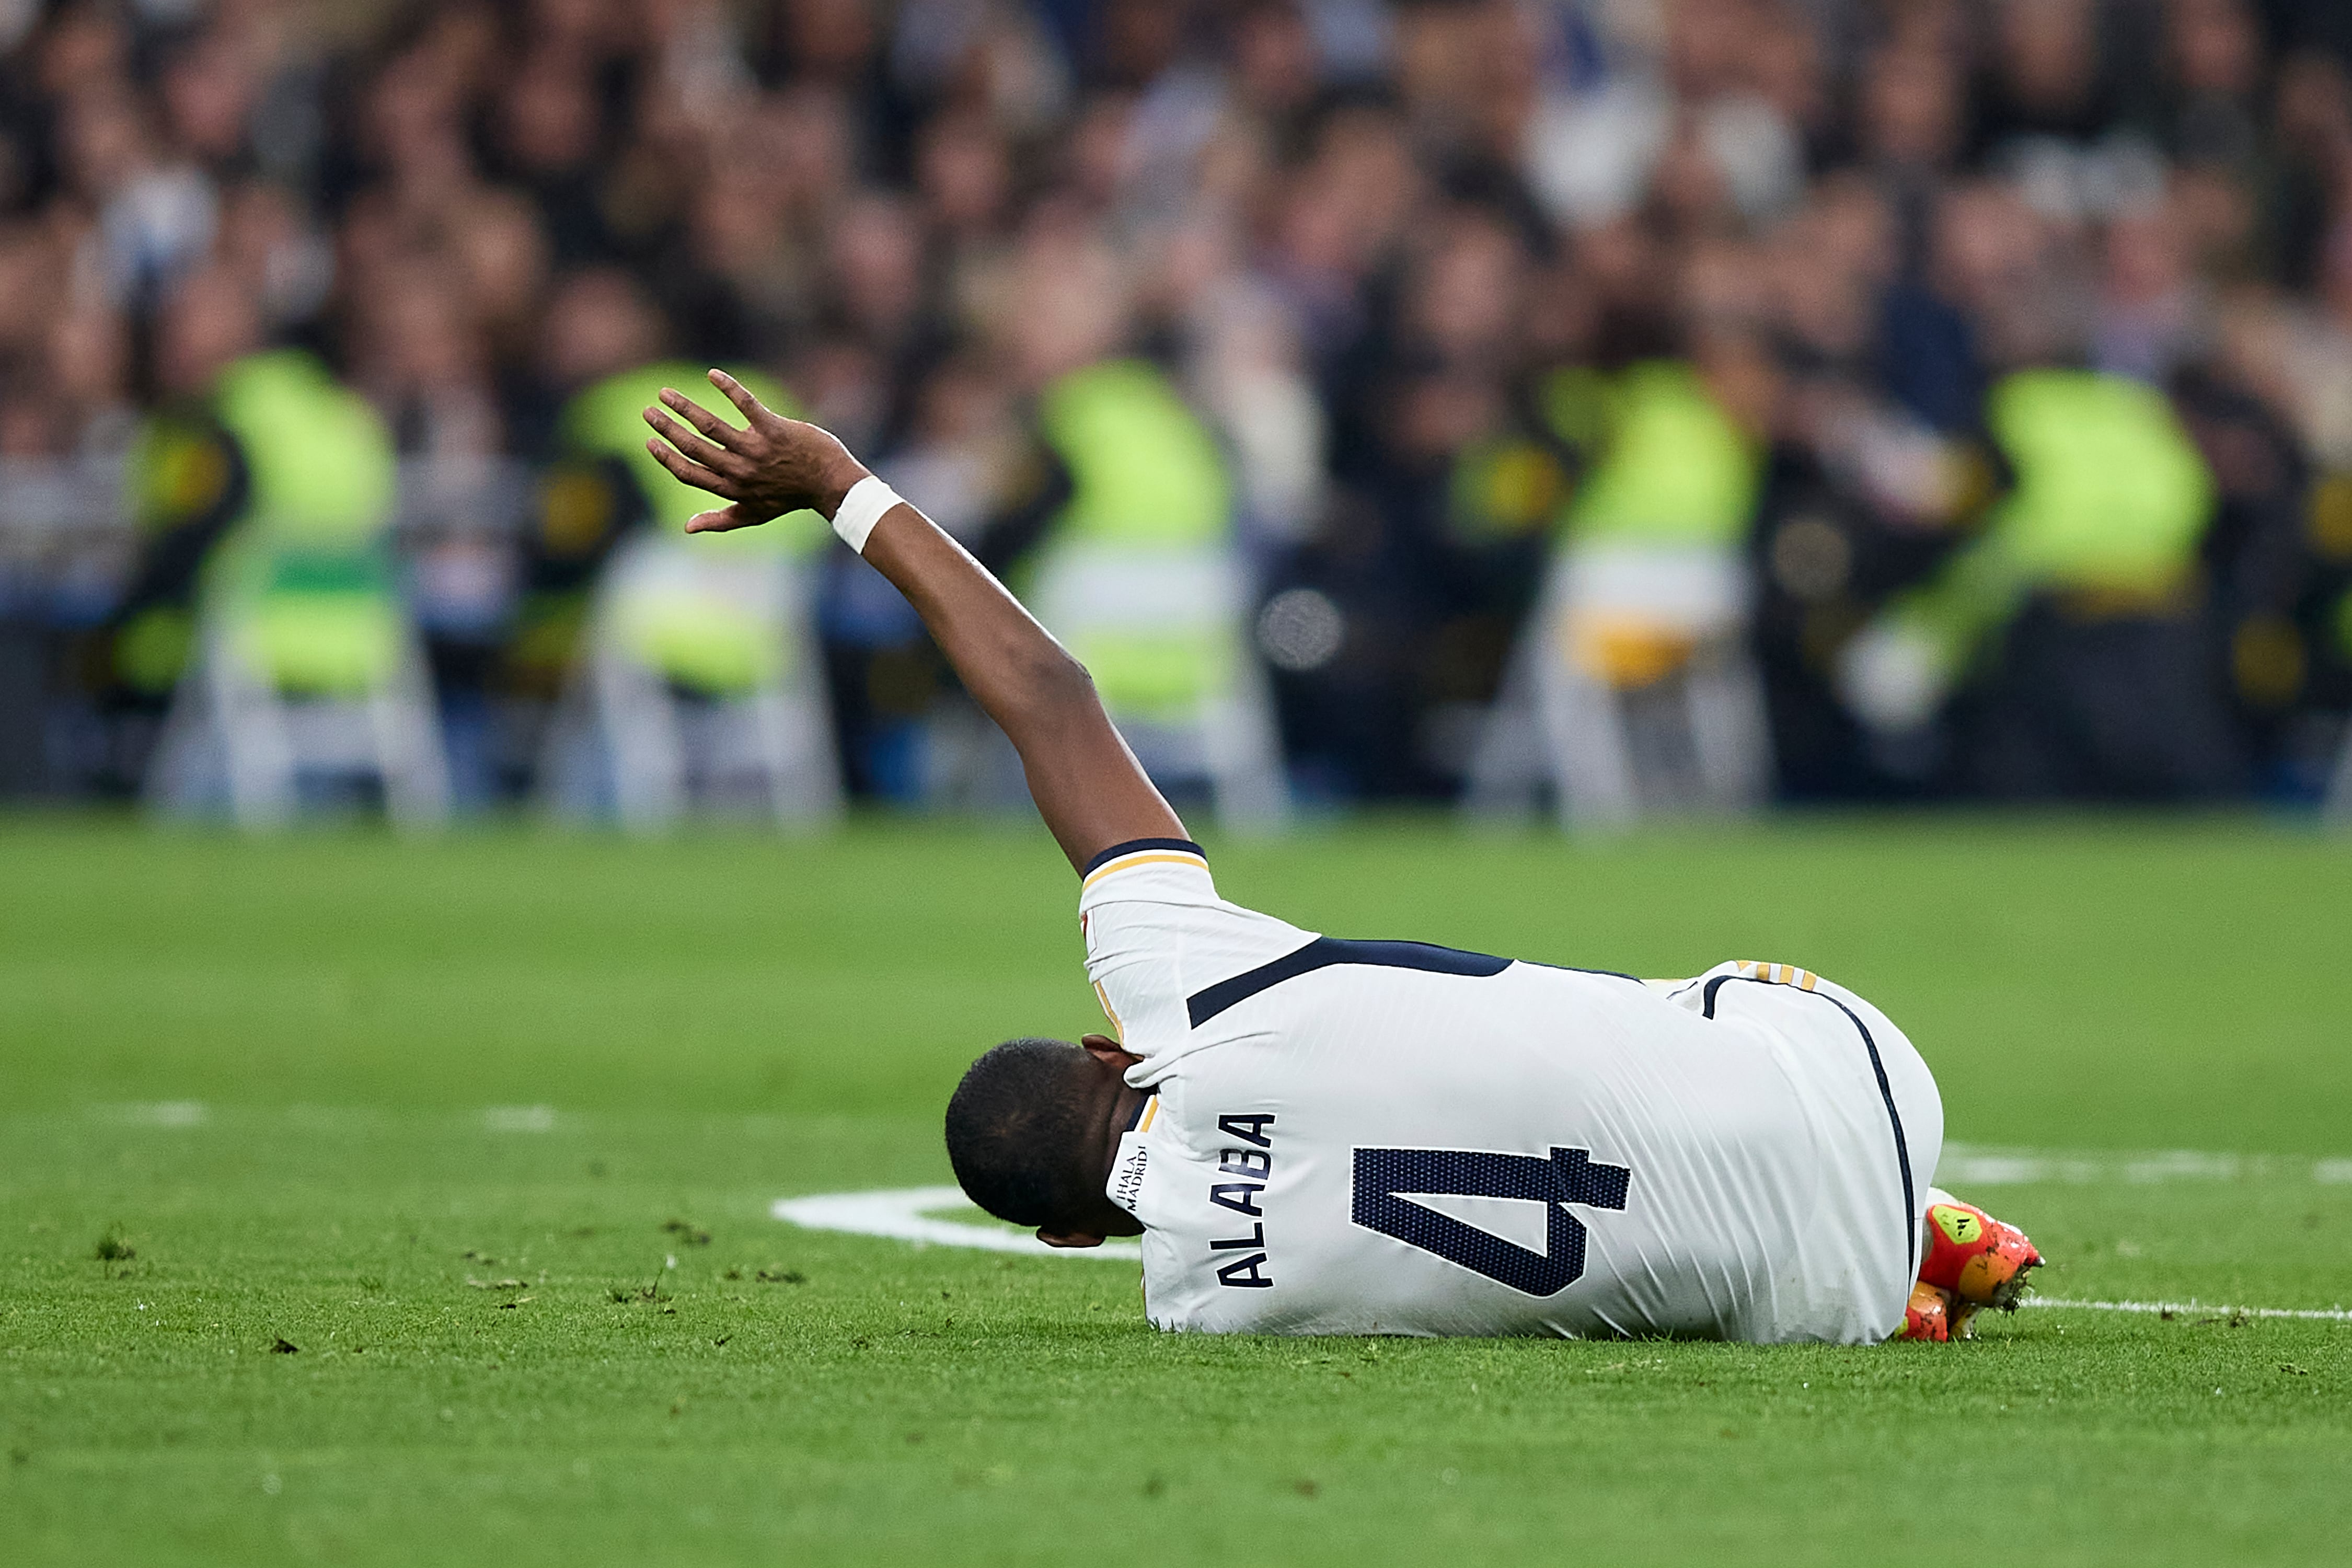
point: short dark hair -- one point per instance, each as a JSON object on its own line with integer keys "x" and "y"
{"x": 1017, "y": 1133}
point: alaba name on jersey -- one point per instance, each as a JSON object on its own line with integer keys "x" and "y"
{"x": 1379, "y": 1137}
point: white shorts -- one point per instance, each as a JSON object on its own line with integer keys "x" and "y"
{"x": 1877, "y": 1126}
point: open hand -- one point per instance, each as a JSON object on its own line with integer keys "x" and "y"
{"x": 776, "y": 466}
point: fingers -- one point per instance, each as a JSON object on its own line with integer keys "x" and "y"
{"x": 701, "y": 418}
{"x": 709, "y": 455}
{"x": 693, "y": 473}
{"x": 753, "y": 409}
{"x": 722, "y": 521}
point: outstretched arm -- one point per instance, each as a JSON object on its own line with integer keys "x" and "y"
{"x": 1088, "y": 785}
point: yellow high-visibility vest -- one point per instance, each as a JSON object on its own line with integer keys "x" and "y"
{"x": 1672, "y": 468}
{"x": 1149, "y": 489}
{"x": 2110, "y": 504}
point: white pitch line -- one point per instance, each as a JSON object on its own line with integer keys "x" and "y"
{"x": 159, "y": 1113}
{"x": 911, "y": 1214}
{"x": 2199, "y": 1309}
{"x": 1977, "y": 1165}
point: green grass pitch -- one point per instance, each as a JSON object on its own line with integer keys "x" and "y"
{"x": 263, "y": 1075}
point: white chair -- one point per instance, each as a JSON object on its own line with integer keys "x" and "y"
{"x": 1631, "y": 693}
{"x": 699, "y": 687}
{"x": 291, "y": 679}
{"x": 1165, "y": 631}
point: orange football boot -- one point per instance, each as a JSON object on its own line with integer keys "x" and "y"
{"x": 1974, "y": 1257}
{"x": 1930, "y": 1316}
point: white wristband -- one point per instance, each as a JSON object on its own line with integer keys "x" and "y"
{"x": 861, "y": 509}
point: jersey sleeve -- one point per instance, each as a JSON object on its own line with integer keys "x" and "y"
{"x": 1156, "y": 933}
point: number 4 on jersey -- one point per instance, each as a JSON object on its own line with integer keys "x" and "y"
{"x": 1384, "y": 1176}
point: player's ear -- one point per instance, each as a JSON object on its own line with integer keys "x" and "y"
{"x": 1068, "y": 1238}
{"x": 1103, "y": 1048}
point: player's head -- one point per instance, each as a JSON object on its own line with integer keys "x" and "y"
{"x": 1032, "y": 1133}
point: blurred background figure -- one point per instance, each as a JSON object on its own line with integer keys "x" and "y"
{"x": 1656, "y": 405}
{"x": 1120, "y": 531}
{"x": 686, "y": 670}
{"x": 263, "y": 610}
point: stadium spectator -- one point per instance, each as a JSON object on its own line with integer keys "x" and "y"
{"x": 1364, "y": 246}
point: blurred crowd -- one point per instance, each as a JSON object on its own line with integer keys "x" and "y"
{"x": 1408, "y": 264}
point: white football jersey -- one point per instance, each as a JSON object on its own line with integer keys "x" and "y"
{"x": 1390, "y": 1138}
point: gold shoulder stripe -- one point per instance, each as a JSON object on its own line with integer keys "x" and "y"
{"x": 1776, "y": 973}
{"x": 1111, "y": 1012}
{"x": 1143, "y": 858}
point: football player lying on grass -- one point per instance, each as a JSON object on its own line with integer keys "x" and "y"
{"x": 1315, "y": 1135}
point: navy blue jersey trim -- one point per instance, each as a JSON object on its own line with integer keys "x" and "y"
{"x": 1326, "y": 951}
{"x": 1886, "y": 1092}
{"x": 1572, "y": 969}
{"x": 1132, "y": 845}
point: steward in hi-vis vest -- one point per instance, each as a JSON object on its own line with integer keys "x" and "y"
{"x": 1641, "y": 628}
{"x": 2076, "y": 611}
{"x": 273, "y": 490}
{"x": 1123, "y": 538}
{"x": 1650, "y": 540}
{"x": 601, "y": 487}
